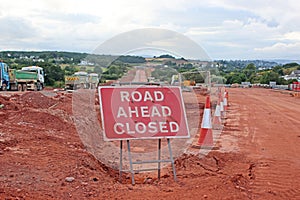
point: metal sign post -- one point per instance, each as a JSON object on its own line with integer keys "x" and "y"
{"x": 158, "y": 161}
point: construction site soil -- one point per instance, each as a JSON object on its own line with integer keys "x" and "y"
{"x": 256, "y": 155}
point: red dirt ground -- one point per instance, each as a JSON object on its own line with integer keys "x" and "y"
{"x": 258, "y": 155}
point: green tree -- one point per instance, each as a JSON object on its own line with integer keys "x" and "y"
{"x": 278, "y": 69}
{"x": 235, "y": 77}
{"x": 115, "y": 71}
{"x": 164, "y": 73}
{"x": 291, "y": 81}
{"x": 131, "y": 59}
{"x": 166, "y": 56}
{"x": 217, "y": 79}
{"x": 53, "y": 73}
{"x": 98, "y": 69}
{"x": 288, "y": 65}
{"x": 249, "y": 71}
{"x": 269, "y": 76}
{"x": 69, "y": 70}
{"x": 83, "y": 68}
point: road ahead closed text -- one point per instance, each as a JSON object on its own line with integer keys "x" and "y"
{"x": 142, "y": 112}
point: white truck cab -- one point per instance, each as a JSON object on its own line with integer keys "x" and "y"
{"x": 39, "y": 71}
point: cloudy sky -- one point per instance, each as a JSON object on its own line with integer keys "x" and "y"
{"x": 225, "y": 29}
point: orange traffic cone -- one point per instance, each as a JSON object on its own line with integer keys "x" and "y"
{"x": 222, "y": 110}
{"x": 206, "y": 137}
{"x": 217, "y": 121}
{"x": 225, "y": 100}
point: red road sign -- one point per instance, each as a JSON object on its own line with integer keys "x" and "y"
{"x": 145, "y": 112}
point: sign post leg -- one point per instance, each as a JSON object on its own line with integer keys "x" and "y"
{"x": 159, "y": 155}
{"x": 130, "y": 162}
{"x": 121, "y": 163}
{"x": 172, "y": 160}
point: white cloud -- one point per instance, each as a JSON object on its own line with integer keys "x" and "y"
{"x": 293, "y": 36}
{"x": 225, "y": 28}
{"x": 203, "y": 31}
{"x": 278, "y": 50}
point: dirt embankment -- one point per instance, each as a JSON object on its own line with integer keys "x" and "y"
{"x": 42, "y": 157}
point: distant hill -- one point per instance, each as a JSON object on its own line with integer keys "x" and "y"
{"x": 284, "y": 61}
{"x": 75, "y": 58}
{"x": 231, "y": 65}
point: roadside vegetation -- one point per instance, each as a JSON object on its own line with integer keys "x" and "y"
{"x": 59, "y": 64}
{"x": 253, "y": 74}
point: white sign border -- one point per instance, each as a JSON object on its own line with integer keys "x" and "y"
{"x": 143, "y": 138}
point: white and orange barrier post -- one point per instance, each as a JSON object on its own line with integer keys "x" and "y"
{"x": 206, "y": 135}
{"x": 217, "y": 121}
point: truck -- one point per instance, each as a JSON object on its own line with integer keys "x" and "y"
{"x": 81, "y": 80}
{"x": 245, "y": 85}
{"x": 93, "y": 80}
{"x": 272, "y": 84}
{"x": 28, "y": 78}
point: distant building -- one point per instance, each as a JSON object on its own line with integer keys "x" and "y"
{"x": 294, "y": 75}
{"x": 84, "y": 62}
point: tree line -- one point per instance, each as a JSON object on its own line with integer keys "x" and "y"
{"x": 251, "y": 74}
{"x": 57, "y": 64}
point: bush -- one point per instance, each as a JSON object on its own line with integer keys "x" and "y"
{"x": 58, "y": 84}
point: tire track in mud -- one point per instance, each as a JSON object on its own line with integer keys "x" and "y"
{"x": 271, "y": 179}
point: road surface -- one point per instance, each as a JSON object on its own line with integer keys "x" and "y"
{"x": 266, "y": 124}
{"x": 140, "y": 76}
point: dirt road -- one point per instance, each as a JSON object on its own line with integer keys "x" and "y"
{"x": 267, "y": 125}
{"x": 140, "y": 76}
{"x": 42, "y": 156}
